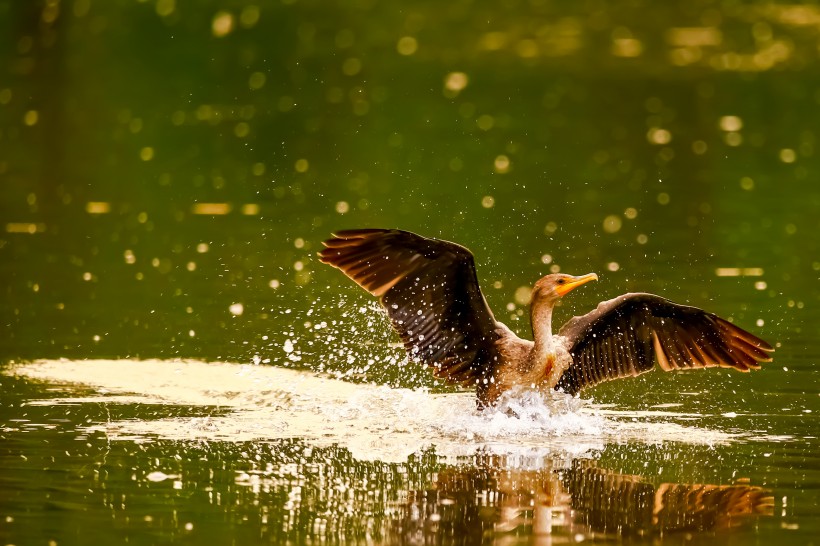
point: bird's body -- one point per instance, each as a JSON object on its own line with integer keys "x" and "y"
{"x": 430, "y": 291}
{"x": 533, "y": 366}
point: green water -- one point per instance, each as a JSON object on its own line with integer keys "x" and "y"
{"x": 163, "y": 162}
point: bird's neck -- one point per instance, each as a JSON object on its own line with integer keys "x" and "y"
{"x": 541, "y": 319}
{"x": 548, "y": 358}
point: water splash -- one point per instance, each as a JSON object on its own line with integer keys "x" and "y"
{"x": 375, "y": 422}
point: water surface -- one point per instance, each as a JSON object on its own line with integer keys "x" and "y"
{"x": 309, "y": 457}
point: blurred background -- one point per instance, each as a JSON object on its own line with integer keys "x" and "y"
{"x": 169, "y": 168}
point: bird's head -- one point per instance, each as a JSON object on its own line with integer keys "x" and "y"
{"x": 554, "y": 287}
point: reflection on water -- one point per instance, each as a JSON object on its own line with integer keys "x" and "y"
{"x": 577, "y": 502}
{"x": 213, "y": 492}
{"x": 336, "y": 462}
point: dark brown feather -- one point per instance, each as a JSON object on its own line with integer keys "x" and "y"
{"x": 430, "y": 291}
{"x": 646, "y": 326}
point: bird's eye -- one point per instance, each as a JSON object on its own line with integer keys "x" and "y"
{"x": 561, "y": 281}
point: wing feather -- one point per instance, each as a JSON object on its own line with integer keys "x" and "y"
{"x": 430, "y": 291}
{"x": 625, "y": 336}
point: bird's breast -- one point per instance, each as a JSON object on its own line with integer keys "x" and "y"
{"x": 526, "y": 366}
{"x": 547, "y": 370}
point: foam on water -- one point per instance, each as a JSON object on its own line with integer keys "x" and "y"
{"x": 259, "y": 403}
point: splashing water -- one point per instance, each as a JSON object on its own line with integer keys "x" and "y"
{"x": 262, "y": 403}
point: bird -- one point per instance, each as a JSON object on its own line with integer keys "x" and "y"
{"x": 430, "y": 291}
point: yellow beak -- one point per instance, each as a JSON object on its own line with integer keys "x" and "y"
{"x": 563, "y": 289}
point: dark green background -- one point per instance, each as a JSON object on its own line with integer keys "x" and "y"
{"x": 86, "y": 87}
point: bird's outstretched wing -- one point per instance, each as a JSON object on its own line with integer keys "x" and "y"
{"x": 430, "y": 291}
{"x": 623, "y": 336}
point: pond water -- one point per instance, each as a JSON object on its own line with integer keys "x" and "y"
{"x": 176, "y": 366}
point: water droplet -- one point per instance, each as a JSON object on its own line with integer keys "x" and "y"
{"x": 523, "y": 295}
{"x": 407, "y": 45}
{"x": 222, "y": 24}
{"x": 612, "y": 223}
{"x": 731, "y": 123}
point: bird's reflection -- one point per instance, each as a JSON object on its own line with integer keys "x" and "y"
{"x": 557, "y": 504}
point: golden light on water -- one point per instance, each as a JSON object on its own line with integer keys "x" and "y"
{"x": 683, "y": 56}
{"x": 612, "y": 223}
{"x": 214, "y": 209}
{"x": 695, "y": 44}
{"x": 787, "y": 155}
{"x": 795, "y": 14}
{"x": 564, "y": 37}
{"x": 31, "y": 117}
{"x": 25, "y": 227}
{"x": 407, "y": 45}
{"x": 659, "y": 136}
{"x": 250, "y": 209}
{"x": 222, "y": 24}
{"x": 97, "y": 207}
{"x": 739, "y": 271}
{"x": 733, "y": 139}
{"x": 694, "y": 36}
{"x": 502, "y": 164}
{"x": 730, "y": 123}
{"x": 627, "y": 47}
{"x": 455, "y": 83}
{"x": 523, "y": 295}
